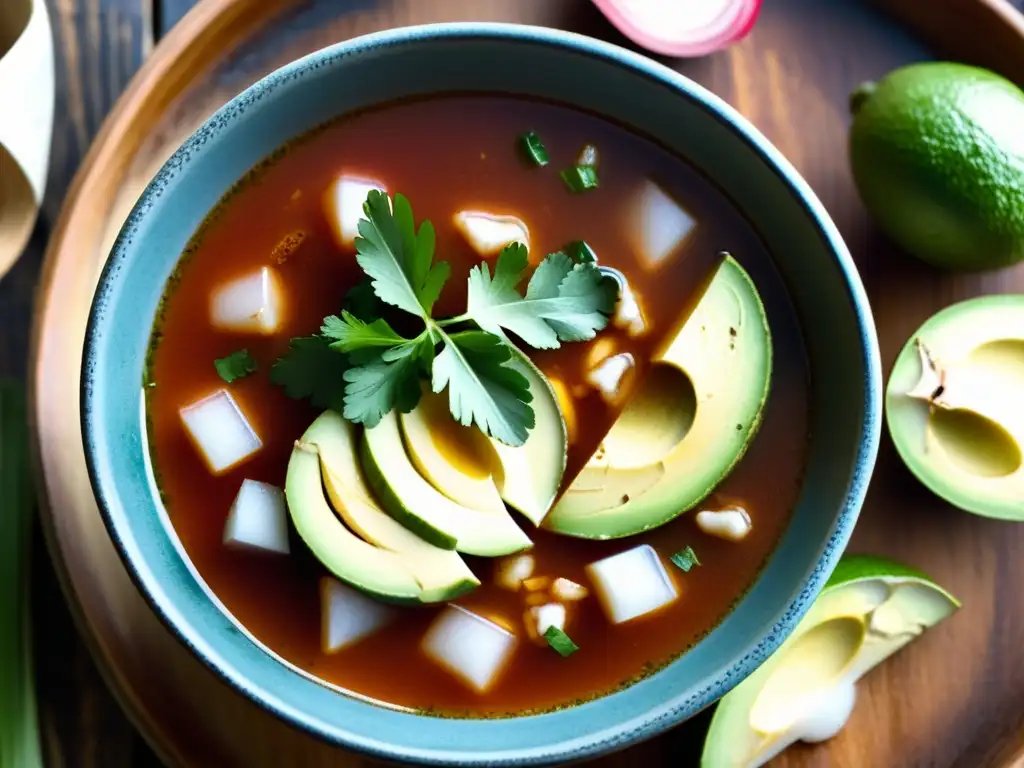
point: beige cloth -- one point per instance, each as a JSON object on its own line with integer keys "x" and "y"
{"x": 26, "y": 120}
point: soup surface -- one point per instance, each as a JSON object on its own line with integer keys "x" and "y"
{"x": 446, "y": 155}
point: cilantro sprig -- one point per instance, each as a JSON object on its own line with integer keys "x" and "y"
{"x": 376, "y": 369}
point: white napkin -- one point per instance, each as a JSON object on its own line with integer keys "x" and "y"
{"x": 26, "y": 120}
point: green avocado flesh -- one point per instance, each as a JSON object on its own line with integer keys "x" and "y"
{"x": 687, "y": 426}
{"x": 937, "y": 154}
{"x": 419, "y": 506}
{"x": 868, "y": 610}
{"x": 954, "y": 405}
{"x": 385, "y": 560}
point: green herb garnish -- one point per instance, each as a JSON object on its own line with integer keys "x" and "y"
{"x": 685, "y": 559}
{"x": 560, "y": 641}
{"x": 580, "y": 178}
{"x": 533, "y": 148}
{"x": 235, "y": 366}
{"x": 581, "y": 252}
{"x": 363, "y": 367}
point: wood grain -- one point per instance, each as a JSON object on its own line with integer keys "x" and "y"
{"x": 955, "y": 698}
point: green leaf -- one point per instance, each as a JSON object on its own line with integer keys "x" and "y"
{"x": 533, "y": 149}
{"x": 483, "y": 388}
{"x": 235, "y": 366}
{"x": 312, "y": 370}
{"x": 564, "y": 301}
{"x": 580, "y": 178}
{"x": 19, "y": 728}
{"x": 374, "y": 389}
{"x": 397, "y": 258}
{"x": 362, "y": 341}
{"x": 685, "y": 559}
{"x": 362, "y": 302}
{"x": 560, "y": 641}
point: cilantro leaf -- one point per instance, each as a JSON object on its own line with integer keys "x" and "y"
{"x": 374, "y": 389}
{"x": 564, "y": 301}
{"x": 361, "y": 340}
{"x": 397, "y": 258}
{"x": 362, "y": 302}
{"x": 484, "y": 386}
{"x": 235, "y": 366}
{"x": 311, "y": 369}
{"x": 685, "y": 559}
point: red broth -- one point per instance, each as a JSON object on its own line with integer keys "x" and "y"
{"x": 446, "y": 154}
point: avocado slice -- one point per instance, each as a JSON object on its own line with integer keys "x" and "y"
{"x": 868, "y": 610}
{"x": 531, "y": 474}
{"x": 442, "y": 573}
{"x": 391, "y": 575}
{"x": 953, "y": 405}
{"x": 458, "y": 461}
{"x": 411, "y": 500}
{"x": 688, "y": 424}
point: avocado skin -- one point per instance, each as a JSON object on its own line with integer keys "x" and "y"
{"x": 937, "y": 155}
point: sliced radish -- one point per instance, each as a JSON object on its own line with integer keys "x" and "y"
{"x": 608, "y": 376}
{"x": 347, "y": 615}
{"x": 632, "y": 583}
{"x": 253, "y": 303}
{"x": 258, "y": 519}
{"x": 682, "y": 27}
{"x": 568, "y": 591}
{"x": 489, "y": 233}
{"x": 469, "y": 646}
{"x": 512, "y": 571}
{"x": 658, "y": 225}
{"x": 220, "y": 431}
{"x": 343, "y": 203}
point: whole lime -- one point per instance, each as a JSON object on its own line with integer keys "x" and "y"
{"x": 937, "y": 153}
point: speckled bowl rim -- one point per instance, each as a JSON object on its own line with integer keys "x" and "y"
{"x": 632, "y": 727}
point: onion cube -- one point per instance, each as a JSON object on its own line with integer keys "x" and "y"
{"x": 220, "y": 431}
{"x": 659, "y": 225}
{"x": 607, "y": 376}
{"x": 469, "y": 646}
{"x": 731, "y": 524}
{"x": 512, "y": 571}
{"x": 253, "y": 303}
{"x": 488, "y": 233}
{"x": 347, "y": 615}
{"x": 258, "y": 519}
{"x": 632, "y": 583}
{"x": 343, "y": 203}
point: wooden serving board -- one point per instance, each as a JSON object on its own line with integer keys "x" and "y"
{"x": 953, "y": 698}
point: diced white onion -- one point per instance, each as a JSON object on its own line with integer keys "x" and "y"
{"x": 540, "y": 618}
{"x": 488, "y": 234}
{"x": 568, "y": 591}
{"x": 220, "y": 431}
{"x": 344, "y": 206}
{"x": 659, "y": 225}
{"x": 258, "y": 519}
{"x": 628, "y": 314}
{"x": 632, "y": 583}
{"x": 608, "y": 375}
{"x": 469, "y": 646}
{"x": 347, "y": 615}
{"x": 511, "y": 571}
{"x": 731, "y": 524}
{"x": 253, "y": 303}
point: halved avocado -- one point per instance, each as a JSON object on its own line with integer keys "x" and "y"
{"x": 531, "y": 474}
{"x": 458, "y": 461}
{"x": 419, "y": 506}
{"x": 953, "y": 405}
{"x": 868, "y": 610}
{"x": 442, "y": 573}
{"x": 688, "y": 424}
{"x": 389, "y": 575}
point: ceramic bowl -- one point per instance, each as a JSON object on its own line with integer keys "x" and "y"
{"x": 575, "y": 70}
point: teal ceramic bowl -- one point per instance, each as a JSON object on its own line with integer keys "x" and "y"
{"x": 575, "y": 70}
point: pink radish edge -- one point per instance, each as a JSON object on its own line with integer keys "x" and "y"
{"x": 745, "y": 12}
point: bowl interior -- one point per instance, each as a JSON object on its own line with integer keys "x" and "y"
{"x": 577, "y": 71}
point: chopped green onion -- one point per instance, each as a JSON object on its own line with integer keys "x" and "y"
{"x": 237, "y": 365}
{"x": 19, "y": 729}
{"x": 581, "y": 252}
{"x": 560, "y": 641}
{"x": 533, "y": 148}
{"x": 685, "y": 559}
{"x": 580, "y": 178}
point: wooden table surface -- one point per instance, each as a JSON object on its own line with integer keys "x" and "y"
{"x": 99, "y": 45}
